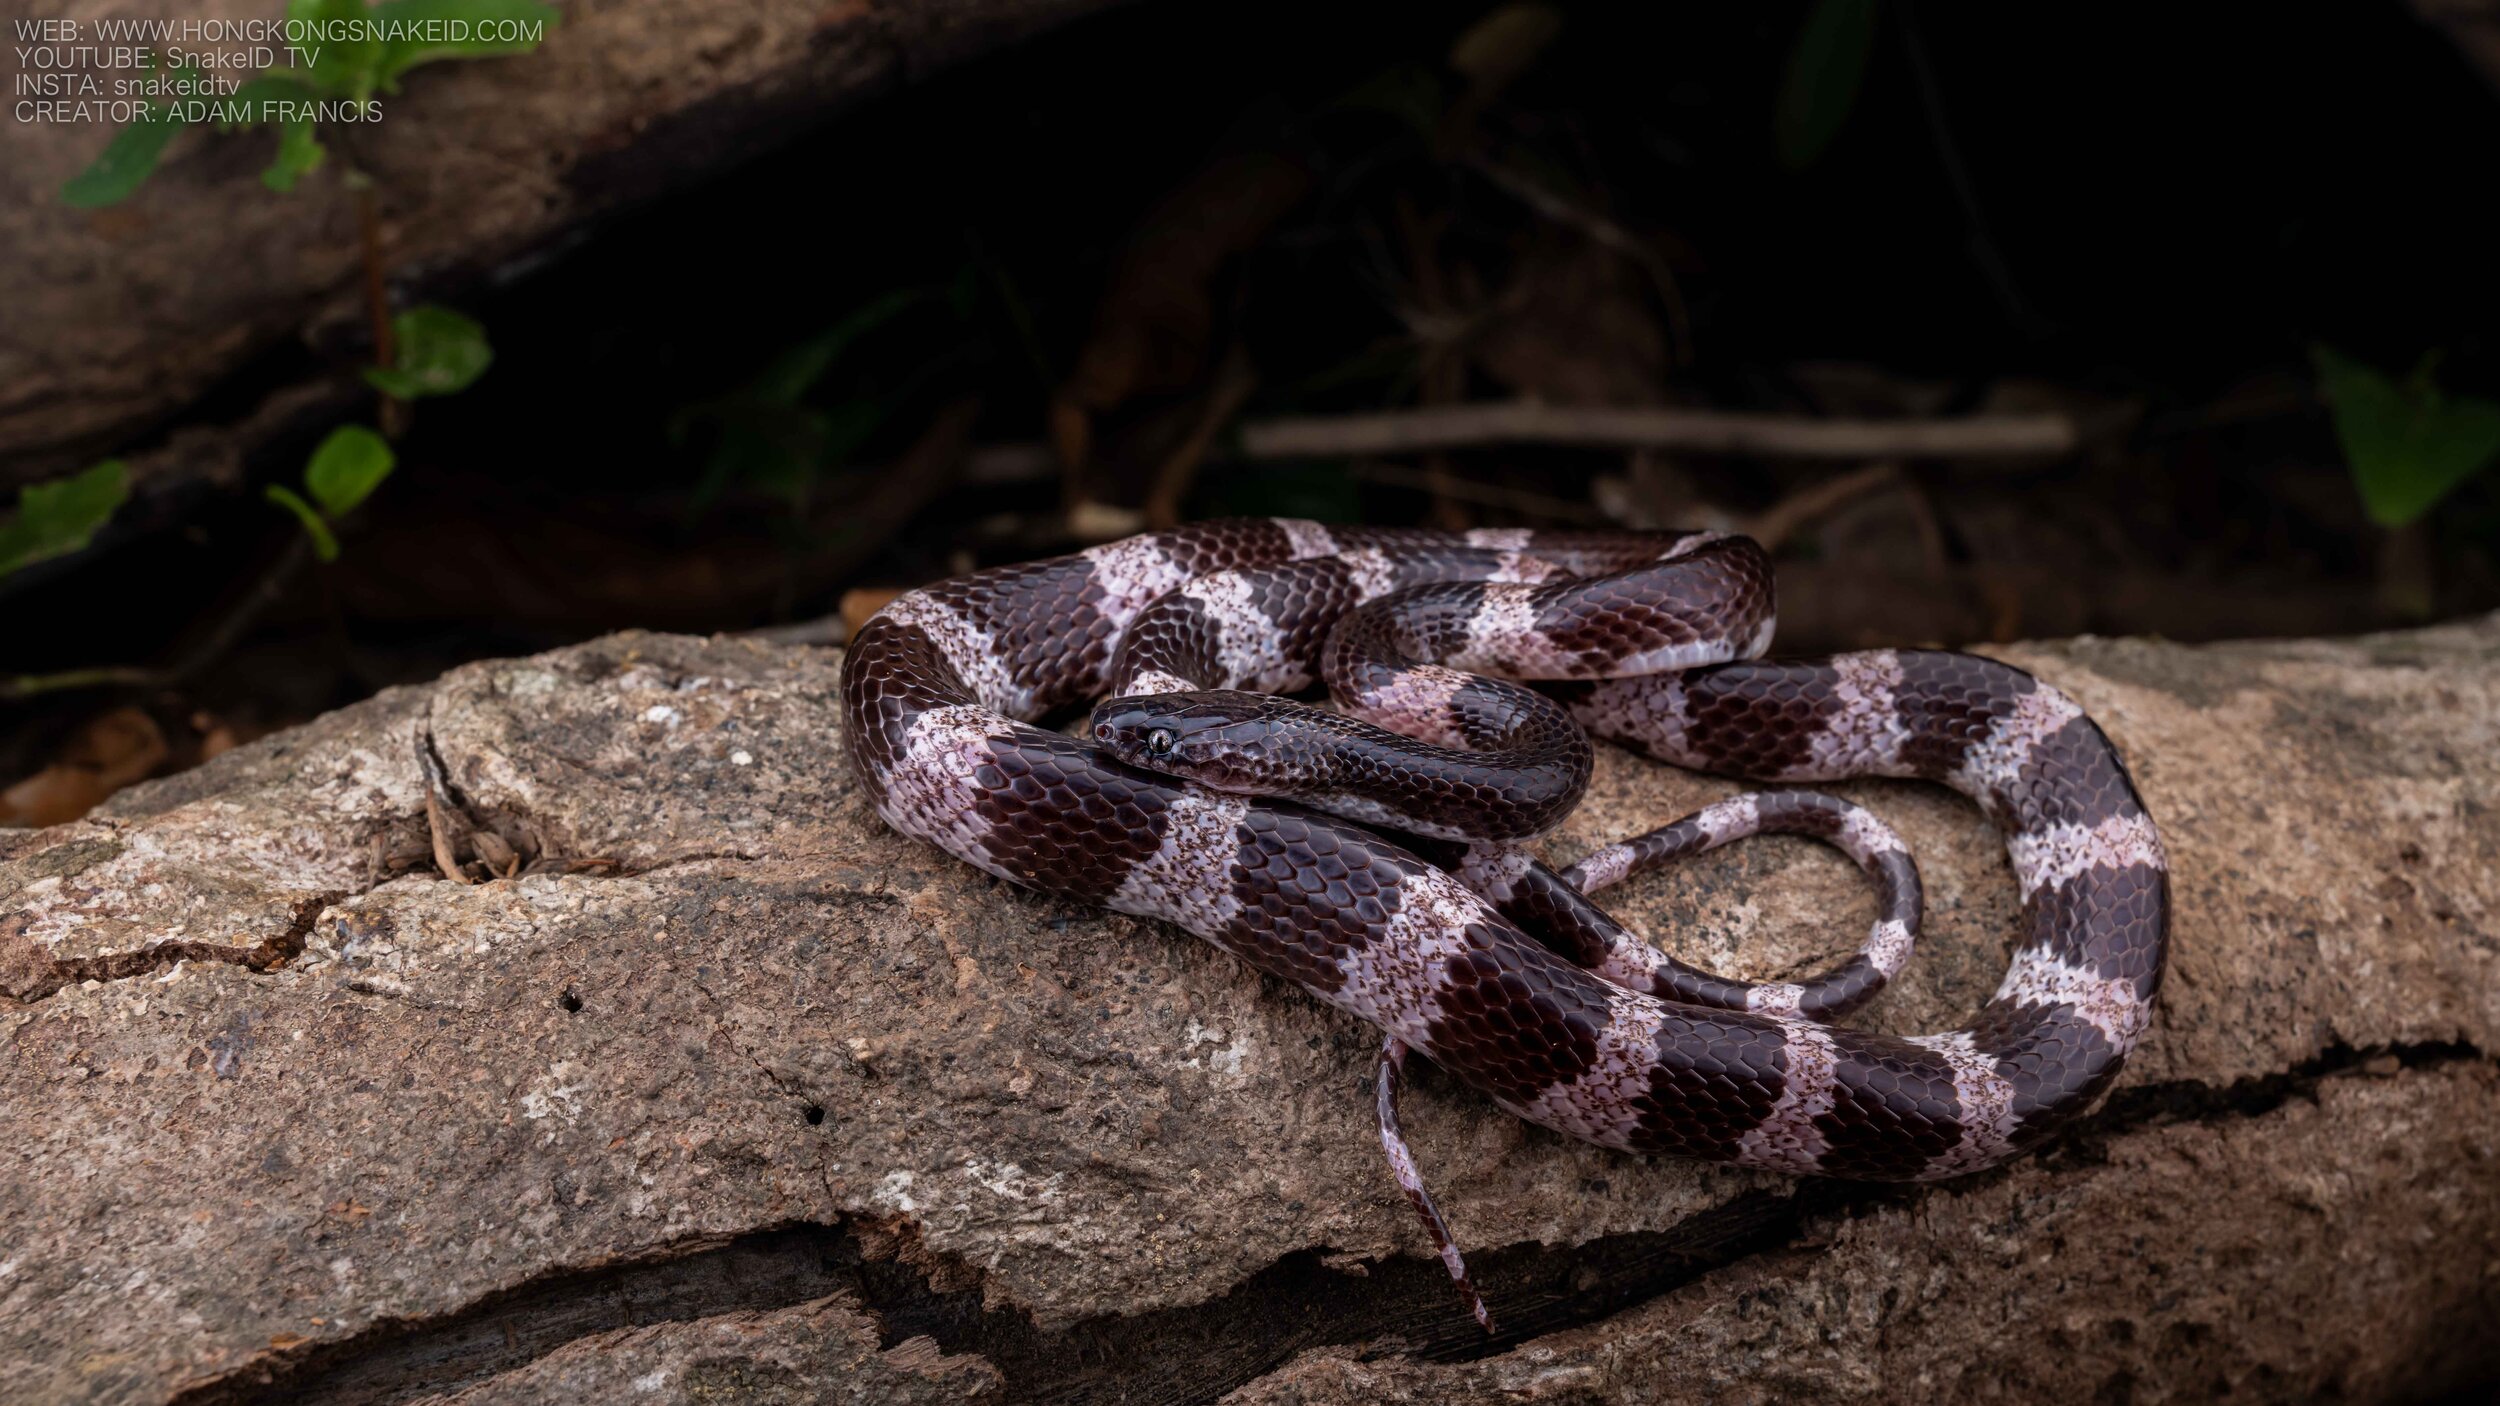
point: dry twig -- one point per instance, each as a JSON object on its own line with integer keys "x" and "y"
{"x": 1233, "y": 384}
{"x": 1700, "y": 431}
{"x": 445, "y": 822}
{"x": 219, "y": 636}
{"x": 1774, "y": 525}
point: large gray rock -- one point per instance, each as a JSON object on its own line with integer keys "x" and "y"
{"x": 742, "y": 1092}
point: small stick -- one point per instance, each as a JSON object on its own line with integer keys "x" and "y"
{"x": 1780, "y": 521}
{"x": 394, "y": 411}
{"x": 443, "y": 821}
{"x": 1703, "y": 431}
{"x": 1233, "y": 385}
{"x": 220, "y": 637}
{"x": 1411, "y": 1181}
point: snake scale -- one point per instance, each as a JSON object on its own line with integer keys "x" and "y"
{"x": 1456, "y": 942}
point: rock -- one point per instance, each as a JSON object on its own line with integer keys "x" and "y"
{"x": 288, "y": 1122}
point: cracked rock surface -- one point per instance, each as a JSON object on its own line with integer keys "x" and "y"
{"x": 760, "y": 1101}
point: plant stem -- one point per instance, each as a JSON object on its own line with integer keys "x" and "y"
{"x": 1983, "y": 245}
{"x": 110, "y": 676}
{"x": 1482, "y": 424}
{"x": 220, "y": 637}
{"x": 394, "y": 414}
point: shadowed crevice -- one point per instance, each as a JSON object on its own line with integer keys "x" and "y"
{"x": 1196, "y": 1353}
{"x": 400, "y": 1361}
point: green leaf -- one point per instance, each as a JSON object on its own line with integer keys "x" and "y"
{"x": 57, "y": 518}
{"x": 1409, "y": 93}
{"x": 796, "y": 371}
{"x": 772, "y": 447}
{"x": 492, "y": 27}
{"x": 848, "y": 428}
{"x": 349, "y": 68}
{"x": 767, "y": 435}
{"x": 1019, "y": 316}
{"x": 125, "y": 162}
{"x": 266, "y": 88}
{"x": 2407, "y": 445}
{"x": 1825, "y": 70}
{"x": 346, "y": 468}
{"x": 325, "y": 543}
{"x": 783, "y": 450}
{"x": 440, "y": 352}
{"x": 299, "y": 153}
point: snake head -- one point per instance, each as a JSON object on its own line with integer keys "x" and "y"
{"x": 1218, "y": 738}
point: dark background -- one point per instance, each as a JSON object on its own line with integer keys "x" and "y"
{"x": 2145, "y": 217}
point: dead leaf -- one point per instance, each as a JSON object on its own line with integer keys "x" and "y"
{"x": 109, "y": 753}
{"x": 219, "y": 735}
{"x": 1491, "y": 54}
{"x": 495, "y": 851}
{"x": 860, "y": 602}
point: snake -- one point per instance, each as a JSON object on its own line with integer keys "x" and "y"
{"x": 1377, "y": 854}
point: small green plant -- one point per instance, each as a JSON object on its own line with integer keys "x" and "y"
{"x": 790, "y": 425}
{"x": 128, "y": 158}
{"x": 362, "y": 50}
{"x": 438, "y": 352}
{"x": 349, "y": 464}
{"x": 441, "y": 353}
{"x": 2408, "y": 443}
{"x": 365, "y": 50}
{"x": 57, "y": 518}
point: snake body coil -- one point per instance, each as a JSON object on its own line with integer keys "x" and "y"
{"x": 1652, "y": 635}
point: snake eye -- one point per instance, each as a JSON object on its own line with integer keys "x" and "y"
{"x": 1159, "y": 742}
